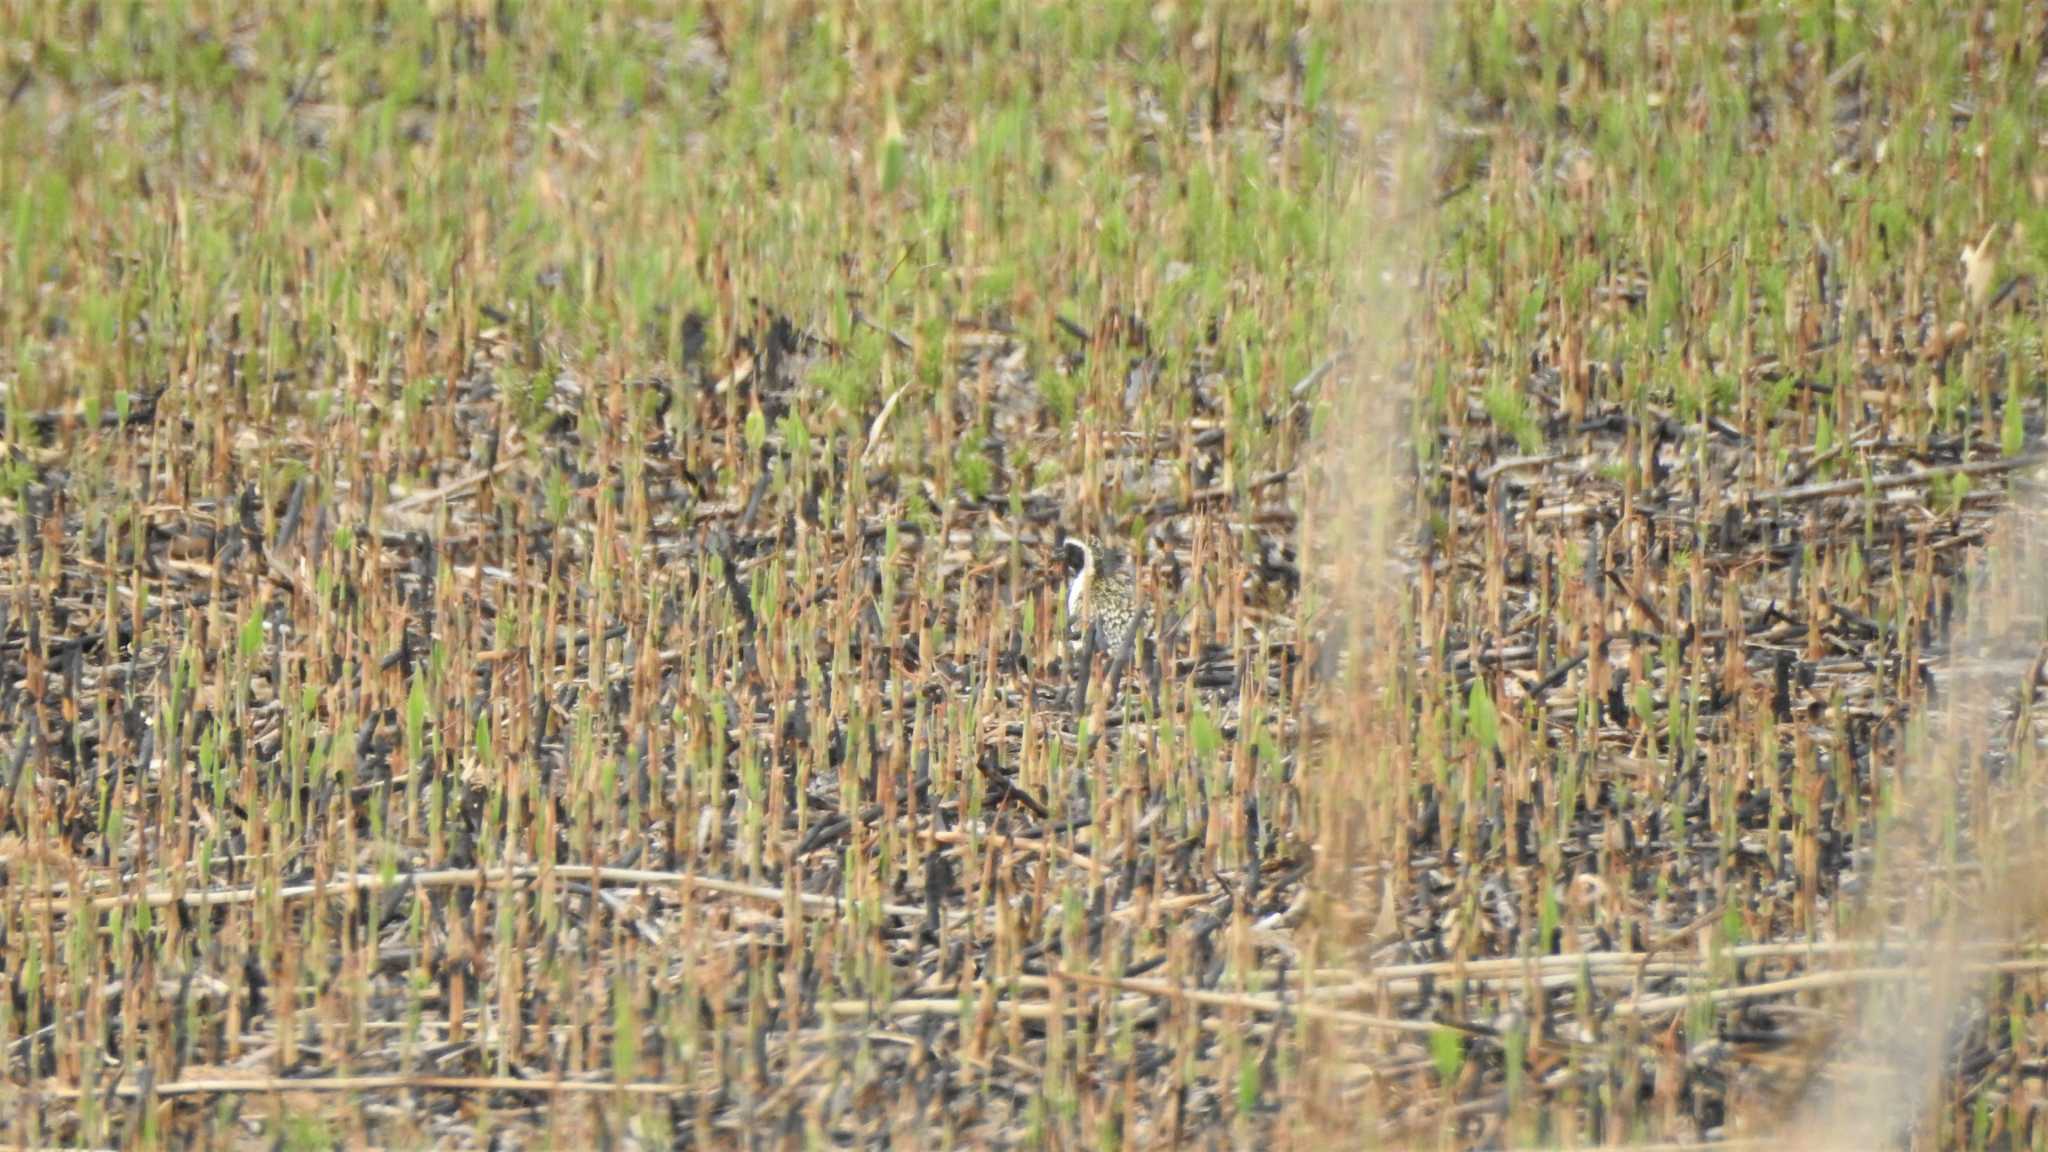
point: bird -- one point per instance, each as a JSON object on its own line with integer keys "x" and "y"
{"x": 1101, "y": 594}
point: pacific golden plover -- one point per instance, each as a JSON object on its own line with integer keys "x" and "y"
{"x": 1101, "y": 594}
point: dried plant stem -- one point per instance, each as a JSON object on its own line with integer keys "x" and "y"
{"x": 1656, "y": 1005}
{"x": 397, "y": 1082}
{"x": 348, "y": 883}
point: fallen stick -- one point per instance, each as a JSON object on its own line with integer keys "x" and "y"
{"x": 397, "y": 1081}
{"x": 1654, "y": 1005}
{"x": 456, "y": 487}
{"x": 349, "y": 882}
{"x": 1806, "y": 492}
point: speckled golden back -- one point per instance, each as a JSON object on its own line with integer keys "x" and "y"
{"x": 1101, "y": 592}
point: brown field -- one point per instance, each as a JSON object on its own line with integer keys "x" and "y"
{"x": 531, "y": 613}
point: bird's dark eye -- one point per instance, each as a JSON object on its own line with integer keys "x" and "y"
{"x": 1075, "y": 553}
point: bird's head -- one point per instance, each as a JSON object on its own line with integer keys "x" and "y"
{"x": 1078, "y": 555}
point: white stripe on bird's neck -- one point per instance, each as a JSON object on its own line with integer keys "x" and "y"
{"x": 1077, "y": 592}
